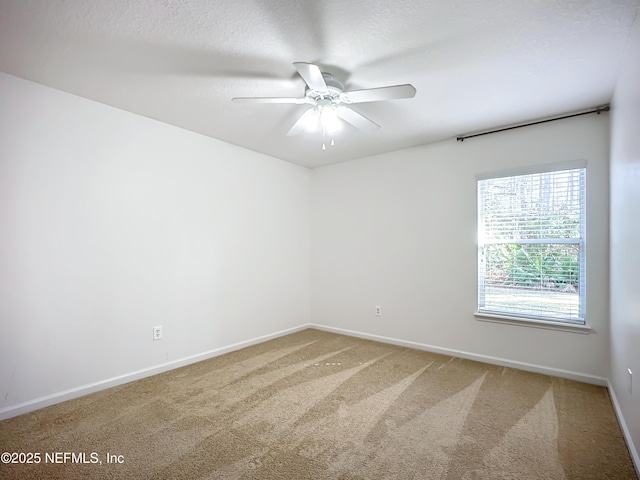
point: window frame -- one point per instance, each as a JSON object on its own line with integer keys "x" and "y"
{"x": 578, "y": 325}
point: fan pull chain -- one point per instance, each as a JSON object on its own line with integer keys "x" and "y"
{"x": 324, "y": 147}
{"x": 324, "y": 139}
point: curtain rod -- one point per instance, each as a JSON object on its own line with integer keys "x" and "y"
{"x": 597, "y": 110}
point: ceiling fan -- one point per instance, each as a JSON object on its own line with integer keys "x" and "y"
{"x": 330, "y": 103}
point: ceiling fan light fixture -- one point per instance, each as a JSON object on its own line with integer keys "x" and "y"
{"x": 329, "y": 119}
{"x": 311, "y": 120}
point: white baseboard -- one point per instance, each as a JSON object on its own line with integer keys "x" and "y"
{"x": 76, "y": 392}
{"x": 625, "y": 429}
{"x": 503, "y": 362}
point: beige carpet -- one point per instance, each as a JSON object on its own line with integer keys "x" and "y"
{"x": 315, "y": 405}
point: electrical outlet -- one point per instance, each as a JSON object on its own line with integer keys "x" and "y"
{"x": 630, "y": 381}
{"x": 378, "y": 311}
{"x": 157, "y": 333}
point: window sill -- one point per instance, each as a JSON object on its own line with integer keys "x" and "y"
{"x": 530, "y": 322}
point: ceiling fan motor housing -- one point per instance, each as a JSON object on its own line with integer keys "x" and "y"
{"x": 331, "y": 96}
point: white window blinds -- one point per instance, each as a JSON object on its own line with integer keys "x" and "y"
{"x": 531, "y": 245}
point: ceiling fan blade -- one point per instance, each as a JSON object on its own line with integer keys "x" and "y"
{"x": 311, "y": 75}
{"x": 297, "y": 101}
{"x": 356, "y": 119}
{"x": 377, "y": 94}
{"x": 303, "y": 122}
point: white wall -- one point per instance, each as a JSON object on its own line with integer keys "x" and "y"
{"x": 399, "y": 230}
{"x": 625, "y": 238}
{"x": 112, "y": 223}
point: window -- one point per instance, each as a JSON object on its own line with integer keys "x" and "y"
{"x": 531, "y": 246}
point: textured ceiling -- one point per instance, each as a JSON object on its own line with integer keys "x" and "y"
{"x": 475, "y": 64}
